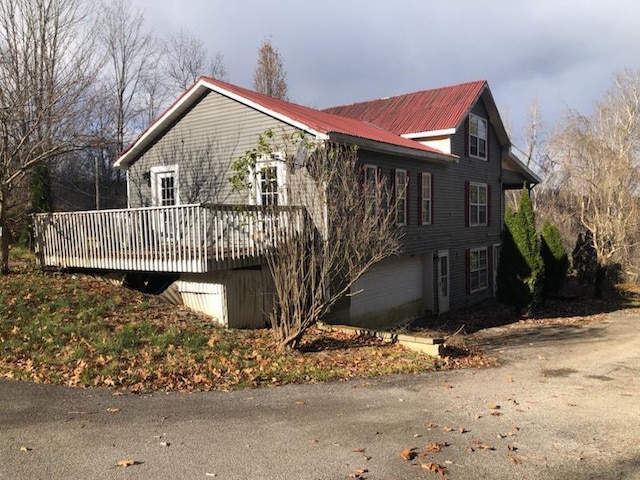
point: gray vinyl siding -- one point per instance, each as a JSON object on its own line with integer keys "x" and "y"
{"x": 204, "y": 143}
{"x": 448, "y": 230}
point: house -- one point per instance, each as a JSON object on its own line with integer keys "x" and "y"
{"x": 446, "y": 150}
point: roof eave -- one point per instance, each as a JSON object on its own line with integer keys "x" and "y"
{"x": 429, "y": 133}
{"x": 382, "y": 147}
{"x": 530, "y": 176}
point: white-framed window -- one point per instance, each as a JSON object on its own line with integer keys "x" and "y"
{"x": 478, "y": 201}
{"x": 401, "y": 197}
{"x": 164, "y": 186}
{"x": 478, "y": 269}
{"x": 371, "y": 179}
{"x": 270, "y": 181}
{"x": 477, "y": 136}
{"x": 425, "y": 199}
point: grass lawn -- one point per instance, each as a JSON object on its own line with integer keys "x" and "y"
{"x": 82, "y": 331}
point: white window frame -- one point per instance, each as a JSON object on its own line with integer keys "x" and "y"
{"x": 371, "y": 198}
{"x": 275, "y": 160}
{"x": 478, "y": 267}
{"x": 157, "y": 174}
{"x": 401, "y": 197}
{"x": 475, "y": 207}
{"x": 425, "y": 199}
{"x": 478, "y": 134}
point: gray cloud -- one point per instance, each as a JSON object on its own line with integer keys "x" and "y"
{"x": 562, "y": 53}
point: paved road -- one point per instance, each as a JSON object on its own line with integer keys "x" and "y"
{"x": 569, "y": 408}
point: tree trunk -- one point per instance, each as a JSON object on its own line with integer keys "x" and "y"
{"x": 4, "y": 238}
{"x": 599, "y": 284}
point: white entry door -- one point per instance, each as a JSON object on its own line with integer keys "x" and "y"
{"x": 443, "y": 281}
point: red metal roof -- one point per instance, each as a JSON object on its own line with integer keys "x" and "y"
{"x": 424, "y": 111}
{"x": 309, "y": 119}
{"x": 320, "y": 121}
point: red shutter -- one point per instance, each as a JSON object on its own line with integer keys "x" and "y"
{"x": 419, "y": 198}
{"x": 467, "y": 187}
{"x": 488, "y": 140}
{"x": 379, "y": 189}
{"x": 432, "y": 197}
{"x": 466, "y": 137}
{"x": 467, "y": 270}
{"x": 392, "y": 178}
{"x": 488, "y": 205}
{"x": 407, "y": 187}
{"x": 490, "y": 266}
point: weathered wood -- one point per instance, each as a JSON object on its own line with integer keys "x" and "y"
{"x": 185, "y": 238}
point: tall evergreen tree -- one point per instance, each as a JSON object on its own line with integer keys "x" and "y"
{"x": 521, "y": 271}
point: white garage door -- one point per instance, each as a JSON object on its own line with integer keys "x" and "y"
{"x": 391, "y": 283}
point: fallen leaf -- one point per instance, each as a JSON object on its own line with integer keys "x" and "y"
{"x": 435, "y": 447}
{"x": 113, "y": 410}
{"x": 516, "y": 460}
{"x": 434, "y": 467}
{"x": 514, "y": 431}
{"x": 408, "y": 454}
{"x": 126, "y": 463}
{"x": 358, "y": 450}
{"x": 496, "y": 414}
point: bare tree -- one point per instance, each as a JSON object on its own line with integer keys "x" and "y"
{"x": 129, "y": 50}
{"x": 270, "y": 77}
{"x": 46, "y": 70}
{"x": 599, "y": 165}
{"x": 187, "y": 58}
{"x": 344, "y": 235}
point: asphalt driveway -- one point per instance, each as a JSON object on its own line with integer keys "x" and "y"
{"x": 565, "y": 404}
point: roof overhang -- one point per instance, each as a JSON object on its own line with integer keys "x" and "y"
{"x": 515, "y": 174}
{"x": 427, "y": 134}
{"x": 399, "y": 150}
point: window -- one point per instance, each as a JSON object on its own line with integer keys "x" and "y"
{"x": 477, "y": 137}
{"x": 164, "y": 186}
{"x": 268, "y": 186}
{"x": 478, "y": 269}
{"x": 425, "y": 199}
{"x": 401, "y": 197}
{"x": 269, "y": 183}
{"x": 371, "y": 199}
{"x": 477, "y": 204}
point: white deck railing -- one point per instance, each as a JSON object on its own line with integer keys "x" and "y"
{"x": 185, "y": 238}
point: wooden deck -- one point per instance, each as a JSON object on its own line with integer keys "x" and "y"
{"x": 186, "y": 238}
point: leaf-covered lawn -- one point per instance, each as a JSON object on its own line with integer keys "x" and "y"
{"x": 82, "y": 331}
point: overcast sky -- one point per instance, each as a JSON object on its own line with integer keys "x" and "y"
{"x": 563, "y": 54}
